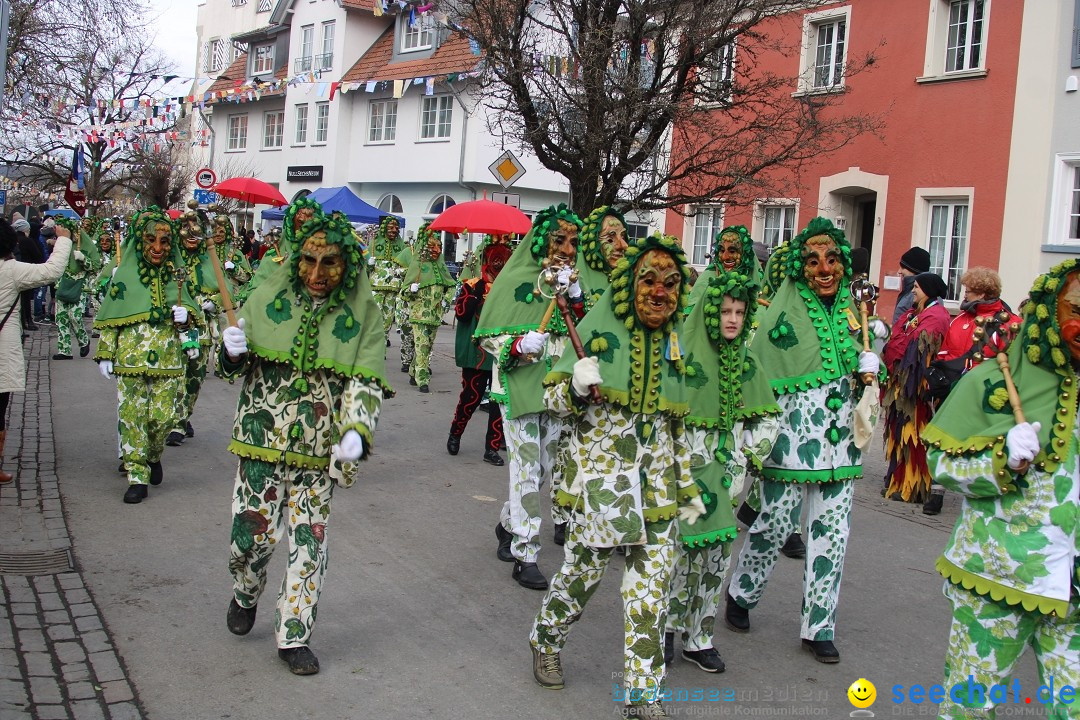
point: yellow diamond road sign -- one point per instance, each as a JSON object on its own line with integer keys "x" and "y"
{"x": 507, "y": 169}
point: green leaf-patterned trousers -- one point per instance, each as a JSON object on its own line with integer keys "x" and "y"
{"x": 423, "y": 336}
{"x": 645, "y": 585}
{"x": 69, "y": 318}
{"x": 987, "y": 638}
{"x": 147, "y": 410}
{"x": 388, "y": 302}
{"x": 828, "y": 522}
{"x": 194, "y": 375}
{"x": 267, "y": 498}
{"x": 696, "y": 588}
{"x": 531, "y": 441}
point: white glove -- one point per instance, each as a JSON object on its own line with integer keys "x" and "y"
{"x": 1023, "y": 443}
{"x": 573, "y": 289}
{"x": 234, "y": 339}
{"x": 192, "y": 353}
{"x": 690, "y": 513}
{"x": 869, "y": 363}
{"x": 415, "y": 287}
{"x": 230, "y": 265}
{"x": 586, "y": 374}
{"x": 209, "y": 306}
{"x": 179, "y": 314}
{"x": 879, "y": 329}
{"x": 350, "y": 448}
{"x": 79, "y": 257}
{"x": 106, "y": 368}
{"x": 532, "y": 342}
{"x": 371, "y": 261}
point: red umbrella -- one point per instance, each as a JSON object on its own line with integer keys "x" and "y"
{"x": 482, "y": 216}
{"x": 174, "y": 213}
{"x": 250, "y": 190}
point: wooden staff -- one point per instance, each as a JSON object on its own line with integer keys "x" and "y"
{"x": 575, "y": 340}
{"x": 763, "y": 302}
{"x": 1014, "y": 400}
{"x": 223, "y": 286}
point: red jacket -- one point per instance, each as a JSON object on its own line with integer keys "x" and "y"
{"x": 962, "y": 331}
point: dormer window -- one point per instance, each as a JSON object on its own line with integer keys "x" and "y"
{"x": 418, "y": 36}
{"x": 263, "y": 59}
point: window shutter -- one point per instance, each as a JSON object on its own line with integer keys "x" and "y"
{"x": 1076, "y": 35}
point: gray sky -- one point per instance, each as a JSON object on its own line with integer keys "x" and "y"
{"x": 176, "y": 34}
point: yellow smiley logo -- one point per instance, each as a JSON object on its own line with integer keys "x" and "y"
{"x": 862, "y": 693}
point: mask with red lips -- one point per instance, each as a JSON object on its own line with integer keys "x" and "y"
{"x": 1068, "y": 314}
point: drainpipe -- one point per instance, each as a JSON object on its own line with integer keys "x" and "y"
{"x": 461, "y": 159}
{"x": 210, "y": 126}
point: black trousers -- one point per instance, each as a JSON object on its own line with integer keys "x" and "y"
{"x": 474, "y": 383}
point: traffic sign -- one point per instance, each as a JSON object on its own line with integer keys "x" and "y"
{"x": 3, "y": 197}
{"x": 205, "y": 197}
{"x": 205, "y": 178}
{"x": 507, "y": 169}
{"x": 511, "y": 199}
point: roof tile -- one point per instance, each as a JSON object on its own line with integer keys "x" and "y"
{"x": 453, "y": 56}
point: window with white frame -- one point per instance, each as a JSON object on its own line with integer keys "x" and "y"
{"x": 325, "y": 60}
{"x": 717, "y": 78}
{"x": 417, "y": 36}
{"x": 273, "y": 128}
{"x": 447, "y": 240}
{"x": 947, "y": 237}
{"x": 238, "y": 132}
{"x": 1065, "y": 221}
{"x": 307, "y": 48}
{"x": 263, "y": 59}
{"x": 636, "y": 231}
{"x": 301, "y": 124}
{"x": 382, "y": 125}
{"x": 708, "y": 220}
{"x": 390, "y": 203}
{"x": 778, "y": 224}
{"x": 956, "y": 41}
{"x": 238, "y": 49}
{"x": 218, "y": 54}
{"x": 824, "y": 52}
{"x": 322, "y": 121}
{"x": 436, "y": 113}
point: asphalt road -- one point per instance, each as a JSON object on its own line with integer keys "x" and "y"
{"x": 418, "y": 618}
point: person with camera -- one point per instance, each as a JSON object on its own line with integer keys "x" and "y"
{"x": 914, "y": 343}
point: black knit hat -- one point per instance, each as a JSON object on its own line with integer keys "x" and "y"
{"x": 931, "y": 284}
{"x": 916, "y": 260}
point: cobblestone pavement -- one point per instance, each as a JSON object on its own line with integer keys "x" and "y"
{"x": 57, "y": 656}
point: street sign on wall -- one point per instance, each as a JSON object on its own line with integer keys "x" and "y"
{"x": 205, "y": 197}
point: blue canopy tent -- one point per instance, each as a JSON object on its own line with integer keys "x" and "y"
{"x": 340, "y": 199}
{"x": 64, "y": 212}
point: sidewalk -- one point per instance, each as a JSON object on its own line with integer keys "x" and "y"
{"x": 57, "y": 657}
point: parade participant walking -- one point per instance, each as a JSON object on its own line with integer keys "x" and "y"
{"x": 475, "y": 364}
{"x": 730, "y": 431}
{"x": 385, "y": 272}
{"x": 82, "y": 267}
{"x": 510, "y": 330}
{"x": 1006, "y": 439}
{"x": 16, "y": 277}
{"x": 627, "y": 465}
{"x": 308, "y": 344}
{"x": 145, "y": 321}
{"x": 602, "y": 243}
{"x": 805, "y": 347}
{"x": 430, "y": 286}
{"x": 733, "y": 251}
{"x": 233, "y": 262}
{"x": 407, "y": 352}
{"x": 283, "y": 243}
{"x": 908, "y": 406}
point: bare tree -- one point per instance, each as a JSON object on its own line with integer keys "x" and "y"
{"x": 638, "y": 101}
{"x": 162, "y": 176}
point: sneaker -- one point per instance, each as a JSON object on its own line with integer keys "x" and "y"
{"x": 424, "y": 388}
{"x": 823, "y": 650}
{"x": 301, "y": 660}
{"x": 504, "y": 536}
{"x": 933, "y": 504}
{"x": 175, "y": 439}
{"x": 707, "y": 659}
{"x": 189, "y": 431}
{"x": 453, "y": 444}
{"x": 547, "y": 669}
{"x": 794, "y": 547}
{"x": 650, "y": 711}
{"x": 84, "y": 351}
{"x": 560, "y": 534}
{"x": 736, "y": 617}
{"x": 239, "y": 619}
{"x": 669, "y": 648}
{"x": 61, "y": 356}
{"x": 528, "y": 575}
{"x": 135, "y": 494}
{"x": 493, "y": 458}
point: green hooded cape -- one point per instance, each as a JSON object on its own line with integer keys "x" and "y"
{"x": 139, "y": 291}
{"x": 515, "y": 306}
{"x": 383, "y": 249}
{"x": 424, "y": 270}
{"x": 593, "y": 269}
{"x": 642, "y": 369}
{"x": 724, "y": 384}
{"x": 801, "y": 343}
{"x": 748, "y": 266}
{"x": 342, "y": 334}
